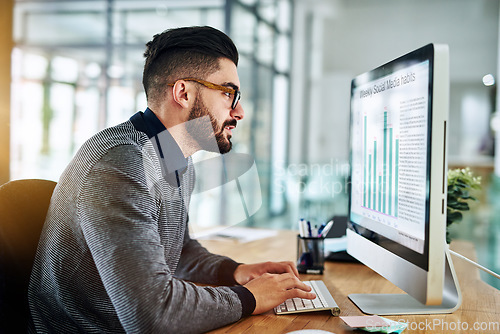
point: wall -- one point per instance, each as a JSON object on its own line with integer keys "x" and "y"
{"x": 6, "y": 10}
{"x": 496, "y": 118}
{"x": 359, "y": 35}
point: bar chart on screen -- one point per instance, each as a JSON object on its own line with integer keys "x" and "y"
{"x": 381, "y": 168}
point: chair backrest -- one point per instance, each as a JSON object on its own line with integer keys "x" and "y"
{"x": 23, "y": 207}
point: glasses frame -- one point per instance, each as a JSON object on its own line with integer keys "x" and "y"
{"x": 235, "y": 92}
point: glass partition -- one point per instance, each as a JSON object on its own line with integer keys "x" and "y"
{"x": 77, "y": 68}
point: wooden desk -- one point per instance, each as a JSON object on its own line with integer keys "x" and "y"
{"x": 480, "y": 305}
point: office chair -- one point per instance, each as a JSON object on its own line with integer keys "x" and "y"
{"x": 23, "y": 207}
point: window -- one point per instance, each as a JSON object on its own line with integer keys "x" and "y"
{"x": 77, "y": 68}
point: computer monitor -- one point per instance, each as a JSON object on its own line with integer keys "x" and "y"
{"x": 398, "y": 182}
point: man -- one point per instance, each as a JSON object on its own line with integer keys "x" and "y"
{"x": 115, "y": 254}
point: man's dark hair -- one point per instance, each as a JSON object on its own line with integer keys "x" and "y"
{"x": 184, "y": 52}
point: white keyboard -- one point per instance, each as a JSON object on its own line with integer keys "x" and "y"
{"x": 323, "y": 301}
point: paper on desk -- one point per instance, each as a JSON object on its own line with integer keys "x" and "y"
{"x": 364, "y": 321}
{"x": 335, "y": 244}
{"x": 374, "y": 324}
{"x": 394, "y": 327}
{"x": 240, "y": 234}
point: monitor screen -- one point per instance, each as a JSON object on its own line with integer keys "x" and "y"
{"x": 390, "y": 134}
{"x": 398, "y": 184}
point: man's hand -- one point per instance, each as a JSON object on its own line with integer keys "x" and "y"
{"x": 244, "y": 273}
{"x": 270, "y": 290}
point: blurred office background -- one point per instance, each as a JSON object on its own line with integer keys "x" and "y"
{"x": 76, "y": 68}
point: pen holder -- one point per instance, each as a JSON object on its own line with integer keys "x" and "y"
{"x": 310, "y": 255}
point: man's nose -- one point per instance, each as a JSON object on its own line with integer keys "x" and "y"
{"x": 238, "y": 113}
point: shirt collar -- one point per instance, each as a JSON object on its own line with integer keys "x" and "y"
{"x": 165, "y": 145}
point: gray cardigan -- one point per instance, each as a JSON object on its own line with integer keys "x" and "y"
{"x": 115, "y": 253}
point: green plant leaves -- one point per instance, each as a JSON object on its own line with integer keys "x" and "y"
{"x": 460, "y": 184}
{"x": 457, "y": 205}
{"x": 453, "y": 216}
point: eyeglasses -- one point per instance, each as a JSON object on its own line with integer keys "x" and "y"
{"x": 229, "y": 91}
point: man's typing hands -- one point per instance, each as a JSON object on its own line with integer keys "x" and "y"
{"x": 244, "y": 273}
{"x": 271, "y": 283}
{"x": 270, "y": 290}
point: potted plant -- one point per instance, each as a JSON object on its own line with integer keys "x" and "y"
{"x": 461, "y": 183}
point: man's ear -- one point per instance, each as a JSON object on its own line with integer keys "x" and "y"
{"x": 183, "y": 94}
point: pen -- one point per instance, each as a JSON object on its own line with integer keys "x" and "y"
{"x": 321, "y": 228}
{"x": 302, "y": 230}
{"x": 315, "y": 233}
{"x": 309, "y": 229}
{"x": 327, "y": 228}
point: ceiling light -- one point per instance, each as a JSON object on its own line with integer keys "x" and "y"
{"x": 93, "y": 70}
{"x": 489, "y": 80}
{"x": 116, "y": 71}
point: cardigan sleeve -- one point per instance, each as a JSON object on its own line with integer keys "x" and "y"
{"x": 118, "y": 216}
{"x": 197, "y": 264}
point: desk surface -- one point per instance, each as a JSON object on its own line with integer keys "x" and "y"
{"x": 480, "y": 306}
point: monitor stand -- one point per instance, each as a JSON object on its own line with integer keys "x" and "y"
{"x": 394, "y": 304}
